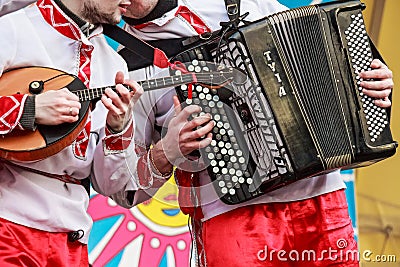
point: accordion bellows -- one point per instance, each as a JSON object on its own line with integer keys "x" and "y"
{"x": 301, "y": 111}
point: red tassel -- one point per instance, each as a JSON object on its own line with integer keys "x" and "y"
{"x": 190, "y": 91}
{"x": 160, "y": 59}
{"x": 186, "y": 182}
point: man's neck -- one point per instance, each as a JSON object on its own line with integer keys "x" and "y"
{"x": 72, "y": 6}
{"x": 71, "y": 10}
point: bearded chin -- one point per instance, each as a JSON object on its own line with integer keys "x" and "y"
{"x": 92, "y": 14}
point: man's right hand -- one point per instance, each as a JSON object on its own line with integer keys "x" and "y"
{"x": 56, "y": 107}
{"x": 183, "y": 134}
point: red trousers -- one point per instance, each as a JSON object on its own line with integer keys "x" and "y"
{"x": 26, "y": 247}
{"x": 312, "y": 232}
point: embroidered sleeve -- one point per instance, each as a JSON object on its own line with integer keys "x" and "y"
{"x": 11, "y": 108}
{"x": 147, "y": 176}
{"x": 118, "y": 142}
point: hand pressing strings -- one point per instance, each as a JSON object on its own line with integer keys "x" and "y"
{"x": 120, "y": 103}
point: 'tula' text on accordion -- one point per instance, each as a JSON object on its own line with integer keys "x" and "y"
{"x": 271, "y": 64}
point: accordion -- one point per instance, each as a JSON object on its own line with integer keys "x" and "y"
{"x": 300, "y": 112}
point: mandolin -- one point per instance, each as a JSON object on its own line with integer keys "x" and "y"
{"x": 48, "y": 140}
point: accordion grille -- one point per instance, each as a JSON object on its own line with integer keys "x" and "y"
{"x": 263, "y": 139}
{"x": 314, "y": 87}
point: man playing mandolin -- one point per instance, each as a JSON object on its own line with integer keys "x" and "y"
{"x": 43, "y": 207}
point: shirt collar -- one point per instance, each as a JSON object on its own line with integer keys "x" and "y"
{"x": 85, "y": 26}
{"x": 63, "y": 20}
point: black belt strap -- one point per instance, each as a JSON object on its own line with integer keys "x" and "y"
{"x": 62, "y": 177}
{"x": 138, "y": 53}
{"x": 141, "y": 50}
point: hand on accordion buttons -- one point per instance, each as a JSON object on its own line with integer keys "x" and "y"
{"x": 184, "y": 134}
{"x": 378, "y": 83}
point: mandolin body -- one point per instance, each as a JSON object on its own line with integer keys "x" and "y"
{"x": 44, "y": 141}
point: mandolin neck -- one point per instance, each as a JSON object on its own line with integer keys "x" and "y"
{"x": 147, "y": 85}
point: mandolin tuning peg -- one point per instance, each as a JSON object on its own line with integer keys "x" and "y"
{"x": 36, "y": 87}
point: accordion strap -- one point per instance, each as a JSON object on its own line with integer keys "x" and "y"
{"x": 135, "y": 48}
{"x": 170, "y": 47}
{"x": 233, "y": 10}
{"x": 148, "y": 53}
{"x": 133, "y": 43}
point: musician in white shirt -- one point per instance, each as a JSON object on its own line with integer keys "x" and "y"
{"x": 8, "y": 6}
{"x": 309, "y": 214}
{"x": 43, "y": 206}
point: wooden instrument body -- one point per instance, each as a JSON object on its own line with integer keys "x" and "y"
{"x": 44, "y": 141}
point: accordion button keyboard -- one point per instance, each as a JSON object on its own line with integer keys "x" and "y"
{"x": 361, "y": 57}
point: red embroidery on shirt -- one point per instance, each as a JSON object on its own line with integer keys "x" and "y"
{"x": 10, "y": 112}
{"x": 81, "y": 143}
{"x": 57, "y": 19}
{"x": 84, "y": 63}
{"x": 195, "y": 21}
{"x": 118, "y": 142}
{"x": 145, "y": 177}
{"x": 140, "y": 150}
{"x": 143, "y": 25}
{"x": 144, "y": 174}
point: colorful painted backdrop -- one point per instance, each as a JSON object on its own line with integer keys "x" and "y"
{"x": 155, "y": 233}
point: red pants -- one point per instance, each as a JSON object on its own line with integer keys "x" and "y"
{"x": 312, "y": 232}
{"x": 26, "y": 247}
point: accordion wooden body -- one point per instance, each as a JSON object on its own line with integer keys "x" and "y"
{"x": 300, "y": 111}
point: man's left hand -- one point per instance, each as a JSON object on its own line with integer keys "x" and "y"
{"x": 378, "y": 83}
{"x": 120, "y": 104}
